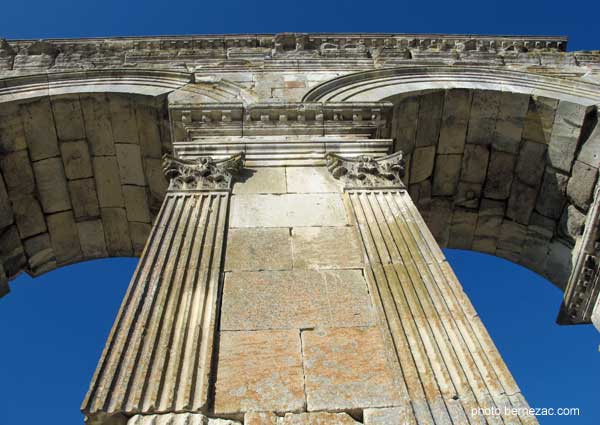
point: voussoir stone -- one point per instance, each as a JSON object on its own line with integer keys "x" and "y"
{"x": 259, "y": 371}
{"x": 580, "y": 187}
{"x": 52, "y": 185}
{"x": 76, "y": 157}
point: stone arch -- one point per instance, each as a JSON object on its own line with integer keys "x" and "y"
{"x": 501, "y": 162}
{"x": 80, "y": 162}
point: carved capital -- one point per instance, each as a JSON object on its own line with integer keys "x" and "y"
{"x": 203, "y": 173}
{"x": 366, "y": 171}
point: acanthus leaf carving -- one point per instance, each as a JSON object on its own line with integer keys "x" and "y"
{"x": 367, "y": 172}
{"x": 204, "y": 173}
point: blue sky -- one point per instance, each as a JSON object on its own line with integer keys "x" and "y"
{"x": 54, "y": 326}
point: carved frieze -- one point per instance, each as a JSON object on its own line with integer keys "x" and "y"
{"x": 367, "y": 172}
{"x": 204, "y": 173}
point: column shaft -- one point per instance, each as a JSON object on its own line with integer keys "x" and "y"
{"x": 159, "y": 353}
{"x": 446, "y": 359}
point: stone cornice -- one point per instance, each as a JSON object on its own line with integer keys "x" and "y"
{"x": 190, "y": 122}
{"x": 365, "y": 172}
{"x": 296, "y": 41}
{"x": 202, "y": 174}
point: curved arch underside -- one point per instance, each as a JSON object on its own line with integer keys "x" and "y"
{"x": 499, "y": 161}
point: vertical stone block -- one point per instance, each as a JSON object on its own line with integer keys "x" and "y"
{"x": 28, "y": 215}
{"x": 91, "y": 236}
{"x": 52, "y": 185}
{"x": 447, "y": 172}
{"x": 17, "y": 173}
{"x": 98, "y": 126}
{"x": 64, "y": 237}
{"x": 40, "y": 131}
{"x": 108, "y": 181}
{"x": 422, "y": 162}
{"x": 500, "y": 175}
{"x": 455, "y": 119}
{"x": 430, "y": 114}
{"x": 539, "y": 119}
{"x": 509, "y": 124}
{"x": 123, "y": 119}
{"x": 76, "y": 158}
{"x": 68, "y": 118}
{"x": 552, "y": 197}
{"x": 116, "y": 232}
{"x": 482, "y": 120}
{"x": 136, "y": 203}
{"x": 84, "y": 198}
{"x": 130, "y": 164}
{"x": 475, "y": 163}
{"x": 565, "y": 135}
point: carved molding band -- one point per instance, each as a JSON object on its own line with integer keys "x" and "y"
{"x": 367, "y": 172}
{"x": 203, "y": 173}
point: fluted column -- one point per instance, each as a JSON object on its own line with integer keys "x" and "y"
{"x": 159, "y": 354}
{"x": 444, "y": 358}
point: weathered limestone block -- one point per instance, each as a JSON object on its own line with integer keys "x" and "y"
{"x": 511, "y": 238}
{"x": 130, "y": 164}
{"x": 439, "y": 220}
{"x": 571, "y": 223}
{"x": 12, "y": 253}
{"x": 468, "y": 195}
{"x": 552, "y": 196}
{"x": 6, "y": 213}
{"x": 261, "y": 418}
{"x": 521, "y": 202}
{"x": 12, "y": 133}
{"x": 559, "y": 263}
{"x": 445, "y": 177}
{"x": 489, "y": 222}
{"x": 260, "y": 371}
{"x": 500, "y": 175}
{"x": 565, "y": 135}
{"x": 581, "y": 184}
{"x": 462, "y": 229}
{"x": 347, "y": 369}
{"x": 310, "y": 180}
{"x": 4, "y": 288}
{"x": 178, "y": 419}
{"x": 28, "y": 215}
{"x": 509, "y": 123}
{"x": 288, "y": 210}
{"x": 148, "y": 131}
{"x": 406, "y": 114}
{"x": 91, "y": 237}
{"x": 123, "y": 120}
{"x": 136, "y": 203}
{"x": 590, "y": 150}
{"x": 40, "y": 255}
{"x": 326, "y": 247}
{"x": 40, "y": 130}
{"x": 258, "y": 249}
{"x": 482, "y": 121}
{"x": 455, "y": 119}
{"x": 389, "y": 416}
{"x": 52, "y": 185}
{"x": 421, "y": 165}
{"x": 68, "y": 118}
{"x": 261, "y": 180}
{"x": 531, "y": 163}
{"x": 157, "y": 183}
{"x": 116, "y": 231}
{"x": 272, "y": 300}
{"x": 139, "y": 235}
{"x": 475, "y": 163}
{"x": 76, "y": 158}
{"x": 97, "y": 124}
{"x": 539, "y": 119}
{"x": 84, "y": 198}
{"x": 430, "y": 113}
{"x": 17, "y": 173}
{"x": 64, "y": 236}
{"x": 317, "y": 418}
{"x": 108, "y": 182}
